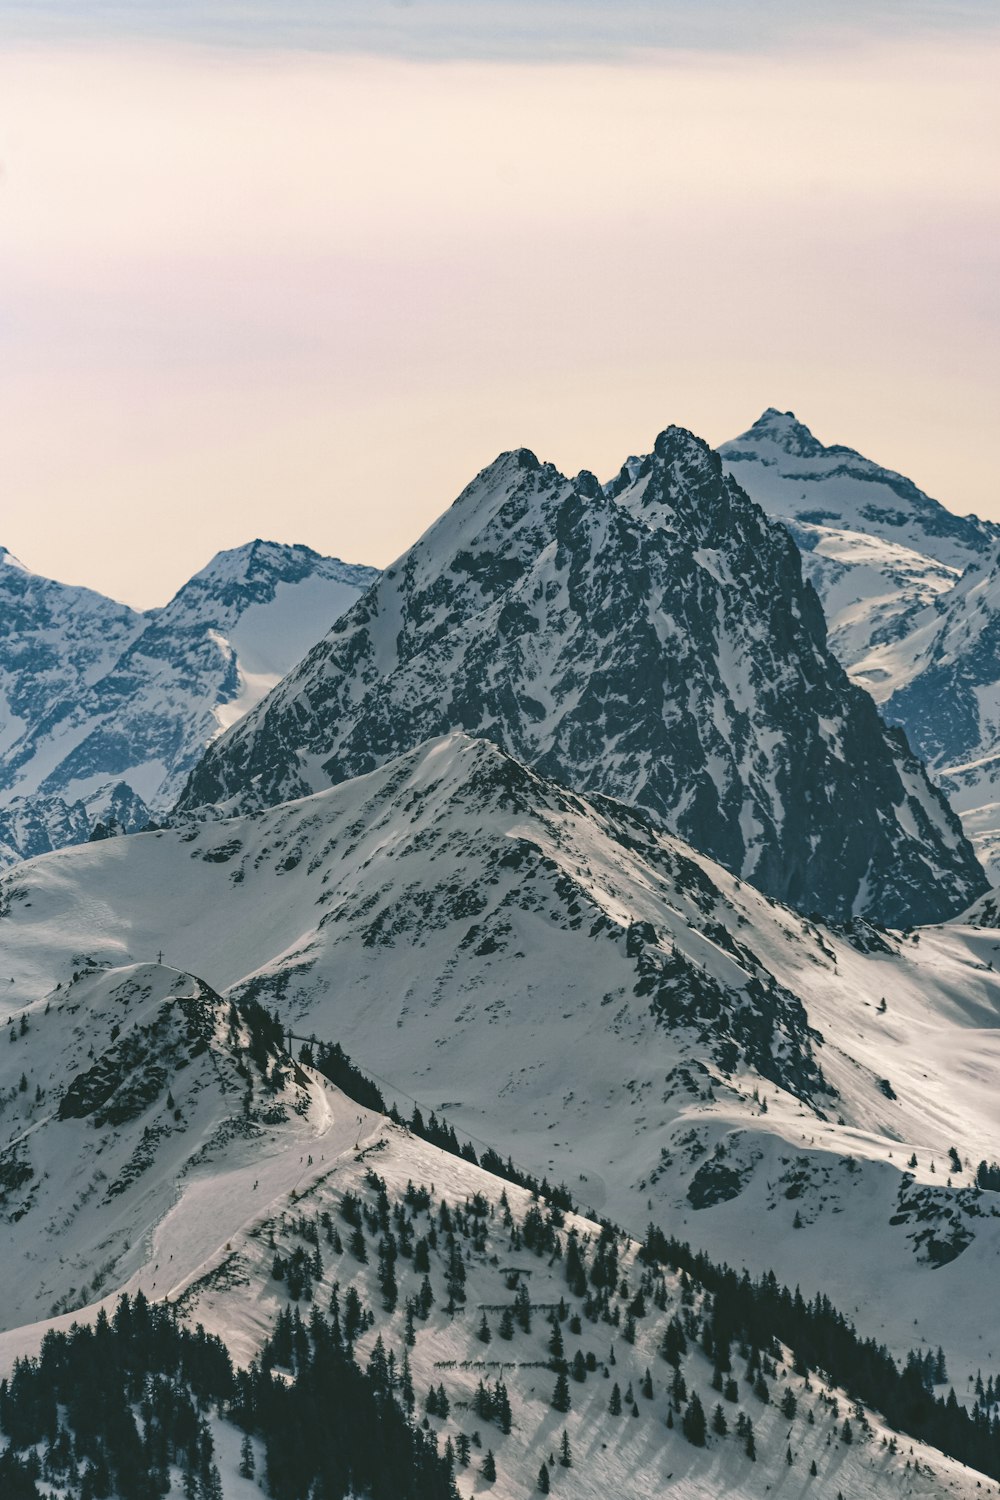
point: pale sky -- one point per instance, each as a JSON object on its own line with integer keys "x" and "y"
{"x": 302, "y": 277}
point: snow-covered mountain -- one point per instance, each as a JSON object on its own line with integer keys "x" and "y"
{"x": 877, "y": 549}
{"x": 106, "y": 710}
{"x": 912, "y": 595}
{"x": 535, "y": 1349}
{"x": 561, "y": 980}
{"x": 115, "y": 1086}
{"x": 792, "y": 474}
{"x": 653, "y": 640}
{"x": 947, "y": 696}
{"x": 55, "y": 642}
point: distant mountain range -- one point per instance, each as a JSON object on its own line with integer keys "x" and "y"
{"x": 517, "y": 937}
{"x": 104, "y": 710}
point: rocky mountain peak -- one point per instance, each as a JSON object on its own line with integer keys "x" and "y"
{"x": 654, "y": 641}
{"x": 783, "y": 430}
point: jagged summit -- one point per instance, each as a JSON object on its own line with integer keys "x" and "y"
{"x": 653, "y": 640}
{"x": 795, "y": 477}
{"x": 783, "y": 429}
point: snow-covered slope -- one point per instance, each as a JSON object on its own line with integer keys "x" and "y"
{"x": 506, "y": 1257}
{"x": 114, "y": 1085}
{"x": 100, "y": 698}
{"x": 877, "y": 549}
{"x": 471, "y": 1301}
{"x": 570, "y": 985}
{"x": 653, "y": 640}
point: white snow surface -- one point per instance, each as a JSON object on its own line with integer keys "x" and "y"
{"x": 233, "y": 1293}
{"x": 502, "y": 951}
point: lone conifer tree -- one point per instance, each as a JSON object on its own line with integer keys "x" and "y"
{"x": 693, "y": 1422}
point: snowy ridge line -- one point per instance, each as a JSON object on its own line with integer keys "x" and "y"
{"x": 740, "y": 1303}
{"x": 525, "y": 1171}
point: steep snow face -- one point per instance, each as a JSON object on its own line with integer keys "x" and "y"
{"x": 874, "y": 595}
{"x": 878, "y": 550}
{"x": 113, "y": 1087}
{"x": 570, "y": 984}
{"x": 652, "y": 640}
{"x": 791, "y": 474}
{"x": 149, "y": 692}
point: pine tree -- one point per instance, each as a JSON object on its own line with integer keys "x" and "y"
{"x": 248, "y": 1464}
{"x": 719, "y": 1423}
{"x": 750, "y": 1445}
{"x": 561, "y": 1396}
{"x": 483, "y": 1332}
{"x": 789, "y": 1405}
{"x": 565, "y": 1456}
{"x": 406, "y": 1384}
{"x": 693, "y": 1422}
{"x": 647, "y": 1385}
{"x": 488, "y": 1467}
{"x": 846, "y": 1432}
{"x": 506, "y": 1329}
{"x": 543, "y": 1478}
{"x": 501, "y": 1408}
{"x": 615, "y": 1404}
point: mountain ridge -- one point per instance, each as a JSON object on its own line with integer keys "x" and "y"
{"x": 653, "y": 640}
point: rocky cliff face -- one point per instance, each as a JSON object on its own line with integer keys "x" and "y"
{"x": 654, "y": 640}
